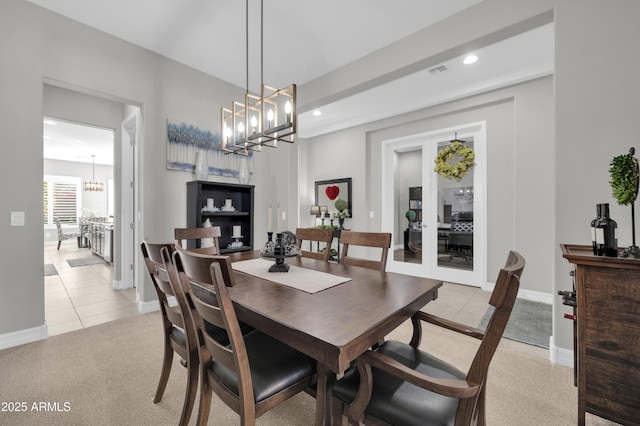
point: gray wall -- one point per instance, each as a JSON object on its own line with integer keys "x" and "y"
{"x": 515, "y": 117}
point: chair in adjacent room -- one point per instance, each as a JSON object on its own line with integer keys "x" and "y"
{"x": 207, "y": 238}
{"x": 64, "y": 235}
{"x": 315, "y": 235}
{"x": 381, "y": 240}
{"x": 397, "y": 383}
{"x": 253, "y": 373}
{"x": 179, "y": 331}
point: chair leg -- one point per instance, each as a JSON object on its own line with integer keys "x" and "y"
{"x": 192, "y": 388}
{"x": 481, "y": 407}
{"x": 164, "y": 374}
{"x": 205, "y": 400}
{"x": 59, "y": 242}
{"x": 338, "y": 418}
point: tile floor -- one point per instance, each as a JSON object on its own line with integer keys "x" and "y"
{"x": 81, "y": 296}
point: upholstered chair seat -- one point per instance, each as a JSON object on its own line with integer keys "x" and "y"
{"x": 398, "y": 402}
{"x": 274, "y": 366}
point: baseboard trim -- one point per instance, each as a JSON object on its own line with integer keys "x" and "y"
{"x": 148, "y": 307}
{"x": 560, "y": 356}
{"x": 21, "y": 337}
{"x": 154, "y": 305}
{"x": 534, "y": 296}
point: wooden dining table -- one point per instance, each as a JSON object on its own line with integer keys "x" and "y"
{"x": 335, "y": 325}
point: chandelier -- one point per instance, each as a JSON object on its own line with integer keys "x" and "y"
{"x": 464, "y": 193}
{"x": 262, "y": 119}
{"x": 93, "y": 186}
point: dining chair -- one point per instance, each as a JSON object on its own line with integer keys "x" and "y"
{"x": 397, "y": 383}
{"x": 179, "y": 331}
{"x": 64, "y": 235}
{"x": 315, "y": 235}
{"x": 207, "y": 238}
{"x": 380, "y": 240}
{"x": 254, "y": 372}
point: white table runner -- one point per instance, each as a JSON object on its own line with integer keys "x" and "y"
{"x": 303, "y": 279}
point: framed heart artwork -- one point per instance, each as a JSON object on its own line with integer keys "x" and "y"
{"x": 328, "y": 191}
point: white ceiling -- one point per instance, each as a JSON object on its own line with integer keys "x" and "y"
{"x": 64, "y": 140}
{"x": 320, "y": 36}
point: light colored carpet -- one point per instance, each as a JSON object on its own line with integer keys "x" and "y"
{"x": 107, "y": 375}
{"x": 530, "y": 323}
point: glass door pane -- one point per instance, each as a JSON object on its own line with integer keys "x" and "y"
{"x": 408, "y": 203}
{"x": 455, "y": 219}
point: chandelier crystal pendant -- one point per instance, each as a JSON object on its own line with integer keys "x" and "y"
{"x": 262, "y": 120}
{"x": 93, "y": 185}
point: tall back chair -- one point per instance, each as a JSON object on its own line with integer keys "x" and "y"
{"x": 64, "y": 235}
{"x": 314, "y": 235}
{"x": 208, "y": 238}
{"x": 253, "y": 373}
{"x": 397, "y": 383}
{"x": 179, "y": 331}
{"x": 380, "y": 240}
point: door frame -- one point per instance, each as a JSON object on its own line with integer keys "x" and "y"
{"x": 129, "y": 135}
{"x": 428, "y": 141}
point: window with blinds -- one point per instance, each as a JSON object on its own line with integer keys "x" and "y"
{"x": 61, "y": 199}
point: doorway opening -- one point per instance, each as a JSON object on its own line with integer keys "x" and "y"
{"x": 97, "y": 218}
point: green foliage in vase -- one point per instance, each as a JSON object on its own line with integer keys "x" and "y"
{"x": 340, "y": 204}
{"x": 341, "y": 207}
{"x": 410, "y": 215}
{"x": 624, "y": 179}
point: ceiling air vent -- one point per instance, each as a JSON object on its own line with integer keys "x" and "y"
{"x": 438, "y": 69}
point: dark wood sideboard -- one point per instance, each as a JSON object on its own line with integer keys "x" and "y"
{"x": 608, "y": 335}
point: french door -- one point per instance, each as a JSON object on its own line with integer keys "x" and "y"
{"x": 438, "y": 225}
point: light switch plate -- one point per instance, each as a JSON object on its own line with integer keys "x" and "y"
{"x": 17, "y": 218}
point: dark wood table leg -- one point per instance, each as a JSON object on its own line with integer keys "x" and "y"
{"x": 326, "y": 380}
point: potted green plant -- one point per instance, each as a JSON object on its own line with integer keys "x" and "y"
{"x": 625, "y": 175}
{"x": 411, "y": 216}
{"x": 342, "y": 211}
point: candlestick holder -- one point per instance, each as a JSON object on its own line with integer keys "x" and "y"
{"x": 331, "y": 220}
{"x": 279, "y": 250}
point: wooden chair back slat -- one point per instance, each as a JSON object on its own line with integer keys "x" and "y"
{"x": 314, "y": 235}
{"x": 182, "y": 235}
{"x": 381, "y": 240}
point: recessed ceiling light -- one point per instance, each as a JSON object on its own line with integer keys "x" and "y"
{"x": 317, "y": 113}
{"x": 470, "y": 59}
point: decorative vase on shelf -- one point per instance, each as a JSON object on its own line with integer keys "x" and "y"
{"x": 341, "y": 222}
{"x": 243, "y": 171}
{"x": 202, "y": 168}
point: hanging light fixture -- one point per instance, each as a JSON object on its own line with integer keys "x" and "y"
{"x": 93, "y": 186}
{"x": 261, "y": 120}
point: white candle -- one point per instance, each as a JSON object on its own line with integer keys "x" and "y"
{"x": 322, "y": 215}
{"x": 236, "y": 231}
{"x": 270, "y": 215}
{"x": 330, "y": 215}
{"x": 278, "y": 219}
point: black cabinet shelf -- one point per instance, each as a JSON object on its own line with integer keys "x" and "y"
{"x": 241, "y": 197}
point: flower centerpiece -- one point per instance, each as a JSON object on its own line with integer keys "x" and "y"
{"x": 342, "y": 212}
